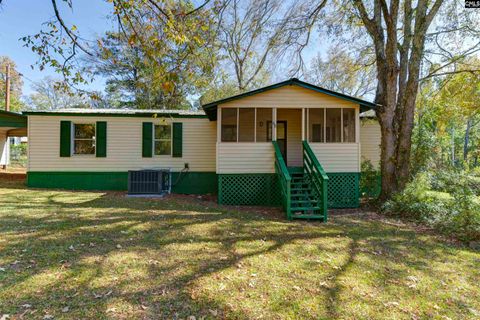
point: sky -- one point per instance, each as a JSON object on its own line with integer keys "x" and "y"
{"x": 19, "y": 18}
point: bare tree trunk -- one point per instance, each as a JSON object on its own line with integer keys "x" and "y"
{"x": 398, "y": 81}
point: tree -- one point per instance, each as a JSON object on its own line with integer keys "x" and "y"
{"x": 131, "y": 80}
{"x": 16, "y": 84}
{"x": 398, "y": 31}
{"x": 169, "y": 34}
{"x": 343, "y": 72}
{"x": 255, "y": 35}
{"x": 50, "y": 94}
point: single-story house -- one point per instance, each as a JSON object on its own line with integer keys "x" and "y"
{"x": 291, "y": 143}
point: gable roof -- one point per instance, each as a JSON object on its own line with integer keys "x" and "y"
{"x": 211, "y": 108}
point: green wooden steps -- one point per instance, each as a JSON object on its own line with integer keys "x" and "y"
{"x": 304, "y": 203}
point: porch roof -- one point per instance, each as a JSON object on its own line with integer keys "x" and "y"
{"x": 211, "y": 108}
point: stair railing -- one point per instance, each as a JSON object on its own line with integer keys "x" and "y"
{"x": 284, "y": 179}
{"x": 318, "y": 177}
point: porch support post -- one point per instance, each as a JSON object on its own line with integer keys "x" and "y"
{"x": 219, "y": 124}
{"x": 303, "y": 124}
{"x": 274, "y": 124}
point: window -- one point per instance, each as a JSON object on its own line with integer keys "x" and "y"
{"x": 333, "y": 119}
{"x": 316, "y": 125}
{"x": 348, "y": 125}
{"x": 331, "y": 125}
{"x": 246, "y": 124}
{"x": 229, "y": 125}
{"x": 84, "y": 138}
{"x": 162, "y": 140}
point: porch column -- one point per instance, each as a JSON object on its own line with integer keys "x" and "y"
{"x": 303, "y": 124}
{"x": 219, "y": 124}
{"x": 274, "y": 124}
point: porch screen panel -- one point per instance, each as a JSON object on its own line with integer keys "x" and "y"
{"x": 246, "y": 123}
{"x": 348, "y": 125}
{"x": 333, "y": 125}
{"x": 316, "y": 125}
{"x": 229, "y": 125}
{"x": 264, "y": 120}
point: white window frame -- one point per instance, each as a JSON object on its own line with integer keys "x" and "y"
{"x": 72, "y": 144}
{"x": 325, "y": 125}
{"x": 155, "y": 140}
{"x": 238, "y": 125}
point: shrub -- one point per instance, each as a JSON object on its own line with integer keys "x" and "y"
{"x": 370, "y": 183}
{"x": 455, "y": 213}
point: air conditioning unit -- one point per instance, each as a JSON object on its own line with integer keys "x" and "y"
{"x": 151, "y": 181}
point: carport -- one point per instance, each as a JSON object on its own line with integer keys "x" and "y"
{"x": 12, "y": 124}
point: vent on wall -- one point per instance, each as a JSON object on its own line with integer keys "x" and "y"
{"x": 149, "y": 181}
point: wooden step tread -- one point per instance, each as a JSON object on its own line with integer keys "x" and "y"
{"x": 294, "y": 209}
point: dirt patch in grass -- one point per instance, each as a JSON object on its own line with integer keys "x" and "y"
{"x": 97, "y": 255}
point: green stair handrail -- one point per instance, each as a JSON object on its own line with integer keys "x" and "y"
{"x": 318, "y": 177}
{"x": 284, "y": 179}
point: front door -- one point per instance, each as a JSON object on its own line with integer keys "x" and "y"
{"x": 281, "y": 136}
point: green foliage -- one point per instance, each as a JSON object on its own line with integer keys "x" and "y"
{"x": 370, "y": 183}
{"x": 445, "y": 201}
{"x": 447, "y": 122}
{"x": 18, "y": 154}
{"x": 161, "y": 47}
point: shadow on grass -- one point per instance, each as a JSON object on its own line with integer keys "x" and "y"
{"x": 104, "y": 255}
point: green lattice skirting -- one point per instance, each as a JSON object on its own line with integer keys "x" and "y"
{"x": 343, "y": 190}
{"x": 249, "y": 189}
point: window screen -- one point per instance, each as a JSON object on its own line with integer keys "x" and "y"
{"x": 229, "y": 125}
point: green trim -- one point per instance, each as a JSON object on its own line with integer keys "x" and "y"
{"x": 65, "y": 138}
{"x": 211, "y": 108}
{"x": 177, "y": 144}
{"x": 188, "y": 183}
{"x": 12, "y": 120}
{"x": 101, "y": 114}
{"x": 78, "y": 180}
{"x": 194, "y": 182}
{"x": 101, "y": 139}
{"x": 147, "y": 139}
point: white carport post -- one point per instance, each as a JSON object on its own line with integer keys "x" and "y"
{"x": 4, "y": 150}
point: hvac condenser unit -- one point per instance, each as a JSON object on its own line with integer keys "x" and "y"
{"x": 153, "y": 181}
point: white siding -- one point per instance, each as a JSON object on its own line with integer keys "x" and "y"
{"x": 4, "y": 148}
{"x": 294, "y": 135}
{"x": 124, "y": 145}
{"x": 370, "y": 139}
{"x": 290, "y": 97}
{"x": 245, "y": 157}
{"x": 337, "y": 157}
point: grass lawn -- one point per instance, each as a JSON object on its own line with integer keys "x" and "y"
{"x": 77, "y": 255}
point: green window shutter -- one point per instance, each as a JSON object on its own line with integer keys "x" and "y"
{"x": 147, "y": 140}
{"x": 177, "y": 140}
{"x": 101, "y": 139}
{"x": 65, "y": 138}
